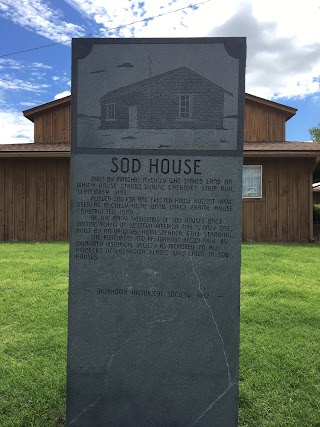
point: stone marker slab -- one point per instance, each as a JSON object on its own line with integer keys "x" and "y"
{"x": 156, "y": 169}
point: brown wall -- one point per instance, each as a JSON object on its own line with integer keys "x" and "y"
{"x": 53, "y": 125}
{"x": 262, "y": 123}
{"x": 34, "y": 199}
{"x": 284, "y": 212}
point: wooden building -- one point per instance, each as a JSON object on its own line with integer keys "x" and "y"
{"x": 278, "y": 177}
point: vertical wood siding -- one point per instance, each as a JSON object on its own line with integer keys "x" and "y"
{"x": 283, "y": 213}
{"x": 53, "y": 125}
{"x": 262, "y": 123}
{"x": 34, "y": 199}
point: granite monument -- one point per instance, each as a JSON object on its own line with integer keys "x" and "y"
{"x": 156, "y": 167}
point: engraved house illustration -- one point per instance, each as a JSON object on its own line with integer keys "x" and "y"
{"x": 177, "y": 99}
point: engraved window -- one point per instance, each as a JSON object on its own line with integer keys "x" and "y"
{"x": 185, "y": 106}
{"x": 111, "y": 111}
{"x": 252, "y": 182}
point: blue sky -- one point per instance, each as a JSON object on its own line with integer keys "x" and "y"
{"x": 283, "y": 37}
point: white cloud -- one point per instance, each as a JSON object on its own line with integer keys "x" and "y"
{"x": 37, "y": 75}
{"x": 123, "y": 12}
{"x": 37, "y": 16}
{"x": 11, "y": 64}
{"x": 27, "y": 104}
{"x": 282, "y": 36}
{"x": 8, "y": 82}
{"x": 19, "y": 75}
{"x": 62, "y": 94}
{"x": 62, "y": 80}
{"x": 298, "y": 20}
{"x": 15, "y": 128}
{"x": 278, "y": 63}
{"x": 41, "y": 65}
{"x": 23, "y": 66}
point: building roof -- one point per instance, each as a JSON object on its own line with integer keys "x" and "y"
{"x": 281, "y": 149}
{"x": 288, "y": 111}
{"x": 31, "y": 112}
{"x": 35, "y": 150}
{"x": 250, "y": 149}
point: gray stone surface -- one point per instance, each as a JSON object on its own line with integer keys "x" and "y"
{"x": 155, "y": 232}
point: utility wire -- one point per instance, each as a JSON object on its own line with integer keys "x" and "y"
{"x": 110, "y": 29}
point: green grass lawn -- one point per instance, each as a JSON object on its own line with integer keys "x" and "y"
{"x": 33, "y": 321}
{"x": 280, "y": 335}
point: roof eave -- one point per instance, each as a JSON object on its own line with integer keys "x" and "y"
{"x": 260, "y": 153}
{"x": 288, "y": 111}
{"x": 34, "y": 154}
{"x": 31, "y": 112}
{"x": 246, "y": 154}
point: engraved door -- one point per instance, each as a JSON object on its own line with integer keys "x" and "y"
{"x": 133, "y": 116}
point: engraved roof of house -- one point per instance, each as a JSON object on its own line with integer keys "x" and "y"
{"x": 32, "y": 112}
{"x": 147, "y": 82}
